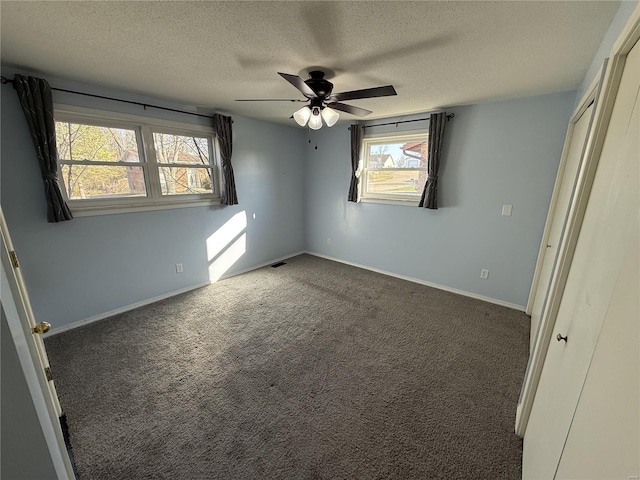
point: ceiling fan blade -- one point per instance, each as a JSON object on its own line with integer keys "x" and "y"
{"x": 385, "y": 91}
{"x": 297, "y": 82}
{"x": 343, "y": 107}
{"x": 269, "y": 100}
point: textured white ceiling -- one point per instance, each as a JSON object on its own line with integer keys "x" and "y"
{"x": 436, "y": 54}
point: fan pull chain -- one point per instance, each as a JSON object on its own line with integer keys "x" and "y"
{"x": 309, "y": 137}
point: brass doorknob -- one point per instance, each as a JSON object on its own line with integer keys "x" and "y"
{"x": 42, "y": 327}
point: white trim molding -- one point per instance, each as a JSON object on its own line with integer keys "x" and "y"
{"x": 19, "y": 317}
{"x": 423, "y": 282}
{"x": 148, "y": 301}
{"x": 587, "y": 99}
{"x": 603, "y": 107}
{"x": 126, "y": 308}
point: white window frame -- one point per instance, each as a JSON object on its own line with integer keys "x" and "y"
{"x": 144, "y": 128}
{"x": 381, "y": 138}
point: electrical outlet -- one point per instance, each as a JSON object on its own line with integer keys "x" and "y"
{"x": 179, "y": 268}
{"x": 506, "y": 210}
{"x": 328, "y": 241}
{"x": 484, "y": 274}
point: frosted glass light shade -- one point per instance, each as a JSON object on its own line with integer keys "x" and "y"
{"x": 330, "y": 116}
{"x": 302, "y": 116}
{"x": 315, "y": 122}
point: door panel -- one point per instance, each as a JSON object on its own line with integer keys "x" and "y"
{"x": 32, "y": 360}
{"x": 36, "y": 343}
{"x": 607, "y": 234}
{"x": 567, "y": 182}
{"x": 603, "y": 441}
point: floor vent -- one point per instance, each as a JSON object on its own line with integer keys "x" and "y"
{"x": 279, "y": 264}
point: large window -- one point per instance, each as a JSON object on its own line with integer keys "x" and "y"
{"x": 111, "y": 163}
{"x": 99, "y": 161}
{"x": 394, "y": 167}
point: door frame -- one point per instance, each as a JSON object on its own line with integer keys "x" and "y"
{"x": 603, "y": 107}
{"x": 16, "y": 312}
{"x": 585, "y": 101}
{"x": 21, "y": 296}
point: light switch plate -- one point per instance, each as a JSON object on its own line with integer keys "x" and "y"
{"x": 506, "y": 210}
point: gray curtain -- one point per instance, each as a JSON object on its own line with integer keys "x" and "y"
{"x": 357, "y": 132}
{"x": 223, "y": 128}
{"x": 436, "y": 135}
{"x": 37, "y": 105}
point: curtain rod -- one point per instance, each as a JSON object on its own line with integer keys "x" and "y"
{"x": 449, "y": 117}
{"x": 4, "y": 81}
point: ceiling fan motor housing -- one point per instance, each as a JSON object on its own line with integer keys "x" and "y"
{"x": 318, "y": 84}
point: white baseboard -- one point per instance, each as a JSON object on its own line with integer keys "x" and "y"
{"x": 126, "y": 308}
{"x": 117, "y": 311}
{"x": 423, "y": 282}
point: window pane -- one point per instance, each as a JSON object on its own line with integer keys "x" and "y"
{"x": 397, "y": 154}
{"x": 88, "y": 142}
{"x": 101, "y": 181}
{"x": 181, "y": 149}
{"x": 185, "y": 181}
{"x": 396, "y": 182}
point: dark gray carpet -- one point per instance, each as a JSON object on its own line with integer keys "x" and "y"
{"x": 313, "y": 370}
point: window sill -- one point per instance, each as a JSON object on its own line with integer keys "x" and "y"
{"x": 388, "y": 201}
{"x": 80, "y": 210}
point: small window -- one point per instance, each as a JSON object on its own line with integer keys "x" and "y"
{"x": 184, "y": 163}
{"x": 394, "y": 167}
{"x": 114, "y": 163}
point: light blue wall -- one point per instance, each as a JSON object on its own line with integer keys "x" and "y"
{"x": 92, "y": 265}
{"x": 617, "y": 24}
{"x": 504, "y": 152}
{"x": 495, "y": 153}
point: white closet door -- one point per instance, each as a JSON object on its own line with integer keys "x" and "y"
{"x": 567, "y": 182}
{"x": 608, "y": 232}
{"x": 604, "y": 439}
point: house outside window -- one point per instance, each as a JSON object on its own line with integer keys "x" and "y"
{"x": 112, "y": 163}
{"x": 394, "y": 167}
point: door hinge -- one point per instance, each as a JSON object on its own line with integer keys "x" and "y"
{"x": 14, "y": 259}
{"x": 47, "y": 373}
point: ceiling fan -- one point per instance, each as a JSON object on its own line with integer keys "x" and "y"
{"x": 322, "y": 103}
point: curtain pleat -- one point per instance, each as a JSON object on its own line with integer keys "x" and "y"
{"x": 436, "y": 135}
{"x": 223, "y": 128}
{"x": 357, "y": 133}
{"x": 37, "y": 105}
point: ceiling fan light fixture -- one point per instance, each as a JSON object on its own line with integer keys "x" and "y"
{"x": 302, "y": 116}
{"x": 330, "y": 116}
{"x": 315, "y": 122}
